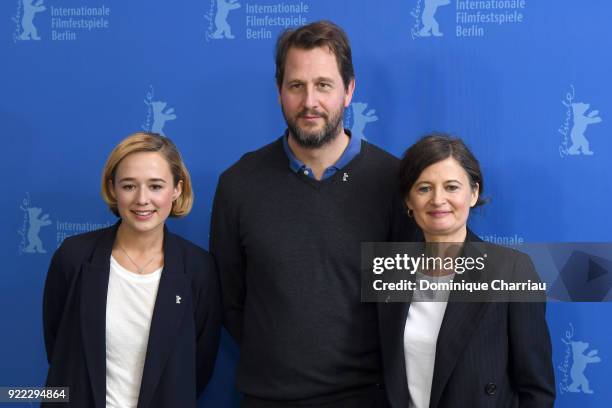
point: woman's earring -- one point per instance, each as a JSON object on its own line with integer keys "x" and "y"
{"x": 410, "y": 212}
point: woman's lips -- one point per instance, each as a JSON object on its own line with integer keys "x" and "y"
{"x": 143, "y": 215}
{"x": 438, "y": 214}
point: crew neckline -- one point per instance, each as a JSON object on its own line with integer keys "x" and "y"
{"x": 127, "y": 274}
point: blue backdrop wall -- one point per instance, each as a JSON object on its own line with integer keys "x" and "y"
{"x": 526, "y": 83}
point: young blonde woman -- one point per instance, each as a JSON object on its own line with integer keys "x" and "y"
{"x": 132, "y": 313}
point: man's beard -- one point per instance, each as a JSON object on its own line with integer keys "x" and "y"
{"x": 315, "y": 139}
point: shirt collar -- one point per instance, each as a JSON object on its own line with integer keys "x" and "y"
{"x": 351, "y": 151}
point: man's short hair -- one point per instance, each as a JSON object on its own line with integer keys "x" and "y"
{"x": 318, "y": 34}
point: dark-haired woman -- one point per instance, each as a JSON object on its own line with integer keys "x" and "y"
{"x": 451, "y": 352}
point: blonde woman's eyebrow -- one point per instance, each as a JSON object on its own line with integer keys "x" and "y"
{"x": 155, "y": 180}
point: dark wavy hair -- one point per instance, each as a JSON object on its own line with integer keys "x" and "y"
{"x": 435, "y": 148}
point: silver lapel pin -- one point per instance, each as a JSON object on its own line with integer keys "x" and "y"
{"x": 178, "y": 299}
{"x": 345, "y": 177}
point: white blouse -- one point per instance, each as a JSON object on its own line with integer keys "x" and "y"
{"x": 129, "y": 307}
{"x": 420, "y": 337}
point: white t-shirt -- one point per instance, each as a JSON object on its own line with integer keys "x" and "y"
{"x": 420, "y": 338}
{"x": 129, "y": 308}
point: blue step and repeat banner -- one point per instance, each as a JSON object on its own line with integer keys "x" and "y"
{"x": 526, "y": 83}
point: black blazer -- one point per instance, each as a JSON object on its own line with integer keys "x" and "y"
{"x": 488, "y": 354}
{"x": 183, "y": 338}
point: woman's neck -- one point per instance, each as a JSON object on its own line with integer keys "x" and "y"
{"x": 455, "y": 237}
{"x": 140, "y": 242}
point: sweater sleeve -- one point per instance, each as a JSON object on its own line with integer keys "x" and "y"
{"x": 227, "y": 250}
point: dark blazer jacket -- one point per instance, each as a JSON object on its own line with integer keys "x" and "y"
{"x": 183, "y": 338}
{"x": 488, "y": 354}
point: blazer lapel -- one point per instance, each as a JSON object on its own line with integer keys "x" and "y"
{"x": 94, "y": 287}
{"x": 172, "y": 299}
{"x": 393, "y": 322}
{"x": 458, "y": 325}
{"x": 460, "y": 321}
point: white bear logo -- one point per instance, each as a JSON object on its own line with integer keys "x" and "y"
{"x": 36, "y": 223}
{"x": 30, "y": 8}
{"x": 579, "y": 380}
{"x": 223, "y": 28}
{"x": 581, "y": 121}
{"x": 430, "y": 25}
{"x": 160, "y": 117}
{"x": 361, "y": 119}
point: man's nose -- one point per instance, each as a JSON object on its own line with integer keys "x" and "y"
{"x": 310, "y": 97}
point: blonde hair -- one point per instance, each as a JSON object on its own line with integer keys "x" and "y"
{"x": 149, "y": 142}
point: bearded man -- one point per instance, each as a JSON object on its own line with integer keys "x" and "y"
{"x": 287, "y": 224}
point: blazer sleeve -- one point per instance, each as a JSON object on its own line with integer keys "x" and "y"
{"x": 228, "y": 253}
{"x": 54, "y": 298}
{"x": 208, "y": 324}
{"x": 530, "y": 348}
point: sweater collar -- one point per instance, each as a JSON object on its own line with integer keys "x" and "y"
{"x": 351, "y": 151}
